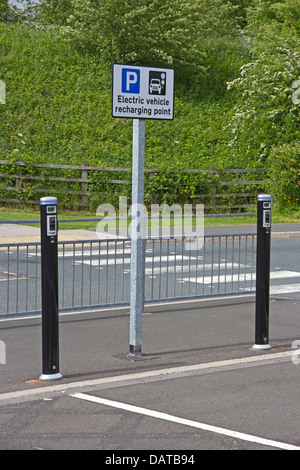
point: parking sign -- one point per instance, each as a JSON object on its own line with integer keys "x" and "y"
{"x": 142, "y": 92}
{"x": 130, "y": 81}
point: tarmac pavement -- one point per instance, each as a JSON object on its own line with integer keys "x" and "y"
{"x": 197, "y": 385}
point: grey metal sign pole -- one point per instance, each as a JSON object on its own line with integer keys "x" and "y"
{"x": 138, "y": 241}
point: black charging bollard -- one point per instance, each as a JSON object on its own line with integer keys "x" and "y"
{"x": 263, "y": 272}
{"x": 49, "y": 271}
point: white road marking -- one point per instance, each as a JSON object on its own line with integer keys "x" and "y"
{"x": 114, "y": 261}
{"x": 241, "y": 277}
{"x": 191, "y": 268}
{"x": 185, "y": 422}
{"x": 244, "y": 277}
{"x": 285, "y": 289}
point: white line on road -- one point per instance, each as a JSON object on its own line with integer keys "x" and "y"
{"x": 241, "y": 277}
{"x": 285, "y": 289}
{"x": 191, "y": 267}
{"x": 114, "y": 261}
{"x": 186, "y": 422}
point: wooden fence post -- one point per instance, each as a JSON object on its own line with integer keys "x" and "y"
{"x": 19, "y": 175}
{"x": 84, "y": 184}
{"x": 214, "y": 188}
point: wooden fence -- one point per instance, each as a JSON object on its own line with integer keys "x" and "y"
{"x": 231, "y": 189}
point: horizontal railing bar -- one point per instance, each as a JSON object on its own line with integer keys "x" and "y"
{"x": 127, "y": 240}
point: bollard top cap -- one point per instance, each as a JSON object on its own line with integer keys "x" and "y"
{"x": 264, "y": 197}
{"x": 48, "y": 200}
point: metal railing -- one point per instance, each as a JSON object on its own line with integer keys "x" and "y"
{"x": 97, "y": 273}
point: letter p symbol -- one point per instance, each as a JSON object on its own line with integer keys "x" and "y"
{"x": 130, "y": 81}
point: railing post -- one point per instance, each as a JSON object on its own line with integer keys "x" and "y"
{"x": 49, "y": 271}
{"x": 263, "y": 272}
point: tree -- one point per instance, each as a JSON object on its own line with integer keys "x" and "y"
{"x": 4, "y": 9}
{"x": 266, "y": 114}
{"x": 284, "y": 182}
{"x": 241, "y": 10}
{"x": 24, "y": 12}
{"x": 279, "y": 13}
{"x": 167, "y": 32}
{"x": 55, "y": 12}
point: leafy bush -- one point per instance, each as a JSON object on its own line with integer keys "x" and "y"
{"x": 265, "y": 115}
{"x": 168, "y": 32}
{"x": 284, "y": 186}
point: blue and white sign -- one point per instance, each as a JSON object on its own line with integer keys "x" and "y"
{"x": 130, "y": 81}
{"x": 142, "y": 92}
